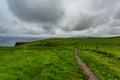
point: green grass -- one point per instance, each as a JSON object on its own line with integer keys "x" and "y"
{"x": 105, "y": 62}
{"x": 53, "y": 59}
{"x": 41, "y": 60}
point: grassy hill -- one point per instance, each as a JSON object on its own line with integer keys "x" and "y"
{"x": 53, "y": 59}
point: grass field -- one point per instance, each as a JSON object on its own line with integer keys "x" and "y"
{"x": 104, "y": 62}
{"x": 53, "y": 59}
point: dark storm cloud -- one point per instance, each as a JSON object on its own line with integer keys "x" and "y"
{"x": 47, "y": 11}
{"x": 83, "y": 23}
{"x": 63, "y": 17}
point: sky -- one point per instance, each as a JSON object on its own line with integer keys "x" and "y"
{"x": 60, "y": 17}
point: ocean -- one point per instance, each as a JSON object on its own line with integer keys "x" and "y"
{"x": 10, "y": 41}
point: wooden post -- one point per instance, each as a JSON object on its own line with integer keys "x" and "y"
{"x": 96, "y": 46}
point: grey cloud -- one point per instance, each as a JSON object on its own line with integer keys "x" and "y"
{"x": 117, "y": 14}
{"x": 2, "y": 29}
{"x": 92, "y": 14}
{"x": 47, "y": 11}
{"x": 85, "y": 23}
{"x": 114, "y": 31}
{"x": 33, "y": 29}
{"x": 63, "y": 17}
{"x": 104, "y": 4}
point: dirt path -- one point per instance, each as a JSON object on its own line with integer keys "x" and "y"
{"x": 85, "y": 68}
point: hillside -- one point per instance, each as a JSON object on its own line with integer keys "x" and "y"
{"x": 53, "y": 59}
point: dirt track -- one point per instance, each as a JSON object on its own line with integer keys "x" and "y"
{"x": 85, "y": 68}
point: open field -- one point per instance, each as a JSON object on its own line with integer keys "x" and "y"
{"x": 104, "y": 62}
{"x": 53, "y": 59}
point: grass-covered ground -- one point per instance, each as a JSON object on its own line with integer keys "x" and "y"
{"x": 40, "y": 60}
{"x": 53, "y": 59}
{"x": 104, "y": 61}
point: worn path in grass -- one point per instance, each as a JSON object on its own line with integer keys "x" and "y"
{"x": 85, "y": 68}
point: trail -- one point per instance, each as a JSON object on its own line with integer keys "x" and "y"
{"x": 85, "y": 68}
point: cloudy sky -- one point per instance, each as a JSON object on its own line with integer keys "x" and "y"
{"x": 59, "y": 17}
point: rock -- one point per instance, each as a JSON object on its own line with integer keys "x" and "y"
{"x": 19, "y": 43}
